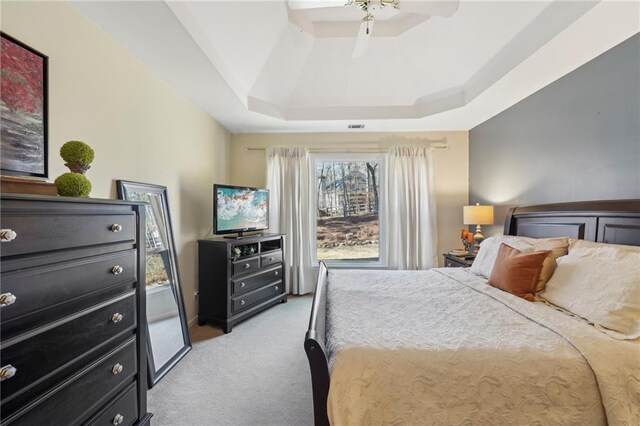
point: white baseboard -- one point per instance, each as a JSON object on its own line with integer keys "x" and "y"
{"x": 193, "y": 321}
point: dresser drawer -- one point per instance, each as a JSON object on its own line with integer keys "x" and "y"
{"x": 76, "y": 399}
{"x": 245, "y": 301}
{"x": 40, "y": 233}
{"x": 122, "y": 411}
{"x": 39, "y": 354}
{"x": 246, "y": 266}
{"x": 271, "y": 258}
{"x": 46, "y": 286}
{"x": 252, "y": 282}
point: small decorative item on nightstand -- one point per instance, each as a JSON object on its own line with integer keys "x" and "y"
{"x": 453, "y": 261}
{"x": 467, "y": 242}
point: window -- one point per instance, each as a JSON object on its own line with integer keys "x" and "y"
{"x": 348, "y": 225}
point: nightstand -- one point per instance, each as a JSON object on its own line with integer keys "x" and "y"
{"x": 451, "y": 261}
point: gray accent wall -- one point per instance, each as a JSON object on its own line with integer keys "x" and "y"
{"x": 576, "y": 139}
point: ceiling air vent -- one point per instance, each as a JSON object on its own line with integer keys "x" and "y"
{"x": 356, "y": 126}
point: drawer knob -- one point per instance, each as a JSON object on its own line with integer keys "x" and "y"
{"x": 7, "y": 299}
{"x": 118, "y": 419}
{"x": 117, "y": 369}
{"x": 117, "y": 270}
{"x": 276, "y": 288}
{"x": 271, "y": 259}
{"x": 7, "y": 235}
{"x": 242, "y": 285}
{"x": 241, "y": 302}
{"x": 116, "y": 318}
{"x": 276, "y": 273}
{"x": 116, "y": 228}
{"x": 7, "y": 372}
{"x": 247, "y": 266}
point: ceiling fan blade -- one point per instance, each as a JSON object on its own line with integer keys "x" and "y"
{"x": 444, "y": 8}
{"x": 314, "y": 4}
{"x": 363, "y": 38}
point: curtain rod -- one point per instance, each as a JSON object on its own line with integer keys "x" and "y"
{"x": 435, "y": 145}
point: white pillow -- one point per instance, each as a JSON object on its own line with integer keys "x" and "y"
{"x": 558, "y": 246}
{"x": 486, "y": 257}
{"x": 583, "y": 244}
{"x": 602, "y": 285}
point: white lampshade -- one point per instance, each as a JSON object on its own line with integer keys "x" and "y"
{"x": 477, "y": 215}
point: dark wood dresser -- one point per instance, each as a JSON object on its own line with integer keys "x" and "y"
{"x": 239, "y": 278}
{"x": 72, "y": 314}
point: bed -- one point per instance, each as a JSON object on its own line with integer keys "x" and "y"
{"x": 443, "y": 347}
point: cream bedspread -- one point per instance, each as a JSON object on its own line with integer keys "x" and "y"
{"x": 442, "y": 347}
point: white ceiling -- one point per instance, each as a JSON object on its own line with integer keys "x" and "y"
{"x": 256, "y": 66}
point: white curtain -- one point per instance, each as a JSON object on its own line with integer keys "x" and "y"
{"x": 288, "y": 174}
{"x": 412, "y": 209}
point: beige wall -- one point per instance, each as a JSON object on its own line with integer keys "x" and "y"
{"x": 248, "y": 167}
{"x": 140, "y": 127}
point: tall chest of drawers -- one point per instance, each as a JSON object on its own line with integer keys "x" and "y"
{"x": 72, "y": 312}
{"x": 239, "y": 278}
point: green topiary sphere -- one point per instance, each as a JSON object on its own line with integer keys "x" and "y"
{"x": 73, "y": 185}
{"x": 77, "y": 152}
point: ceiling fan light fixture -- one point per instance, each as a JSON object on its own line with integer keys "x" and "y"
{"x": 428, "y": 8}
{"x": 373, "y": 4}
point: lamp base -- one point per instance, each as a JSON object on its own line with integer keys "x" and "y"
{"x": 478, "y": 238}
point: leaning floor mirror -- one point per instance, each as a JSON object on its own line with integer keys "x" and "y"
{"x": 168, "y": 332}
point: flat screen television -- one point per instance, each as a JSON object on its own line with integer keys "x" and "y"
{"x": 238, "y": 209}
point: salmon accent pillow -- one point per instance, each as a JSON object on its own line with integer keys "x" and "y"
{"x": 517, "y": 272}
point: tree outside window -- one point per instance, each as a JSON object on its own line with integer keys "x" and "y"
{"x": 347, "y": 215}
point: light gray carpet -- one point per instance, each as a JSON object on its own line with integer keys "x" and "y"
{"x": 256, "y": 375}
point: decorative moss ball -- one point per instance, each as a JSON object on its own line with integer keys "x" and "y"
{"x": 77, "y": 152}
{"x": 73, "y": 185}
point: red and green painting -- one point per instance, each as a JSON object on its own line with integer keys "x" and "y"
{"x": 23, "y": 109}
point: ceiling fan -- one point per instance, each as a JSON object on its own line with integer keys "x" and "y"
{"x": 444, "y": 8}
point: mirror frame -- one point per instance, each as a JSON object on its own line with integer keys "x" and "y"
{"x": 156, "y": 373}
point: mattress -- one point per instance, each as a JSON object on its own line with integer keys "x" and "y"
{"x": 443, "y": 347}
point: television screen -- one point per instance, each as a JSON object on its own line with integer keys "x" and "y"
{"x": 238, "y": 209}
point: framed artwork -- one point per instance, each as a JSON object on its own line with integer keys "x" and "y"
{"x": 23, "y": 109}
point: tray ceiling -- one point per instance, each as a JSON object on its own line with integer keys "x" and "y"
{"x": 259, "y": 66}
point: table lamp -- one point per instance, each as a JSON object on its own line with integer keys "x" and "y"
{"x": 478, "y": 215}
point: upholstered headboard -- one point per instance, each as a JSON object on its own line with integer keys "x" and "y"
{"x": 612, "y": 222}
